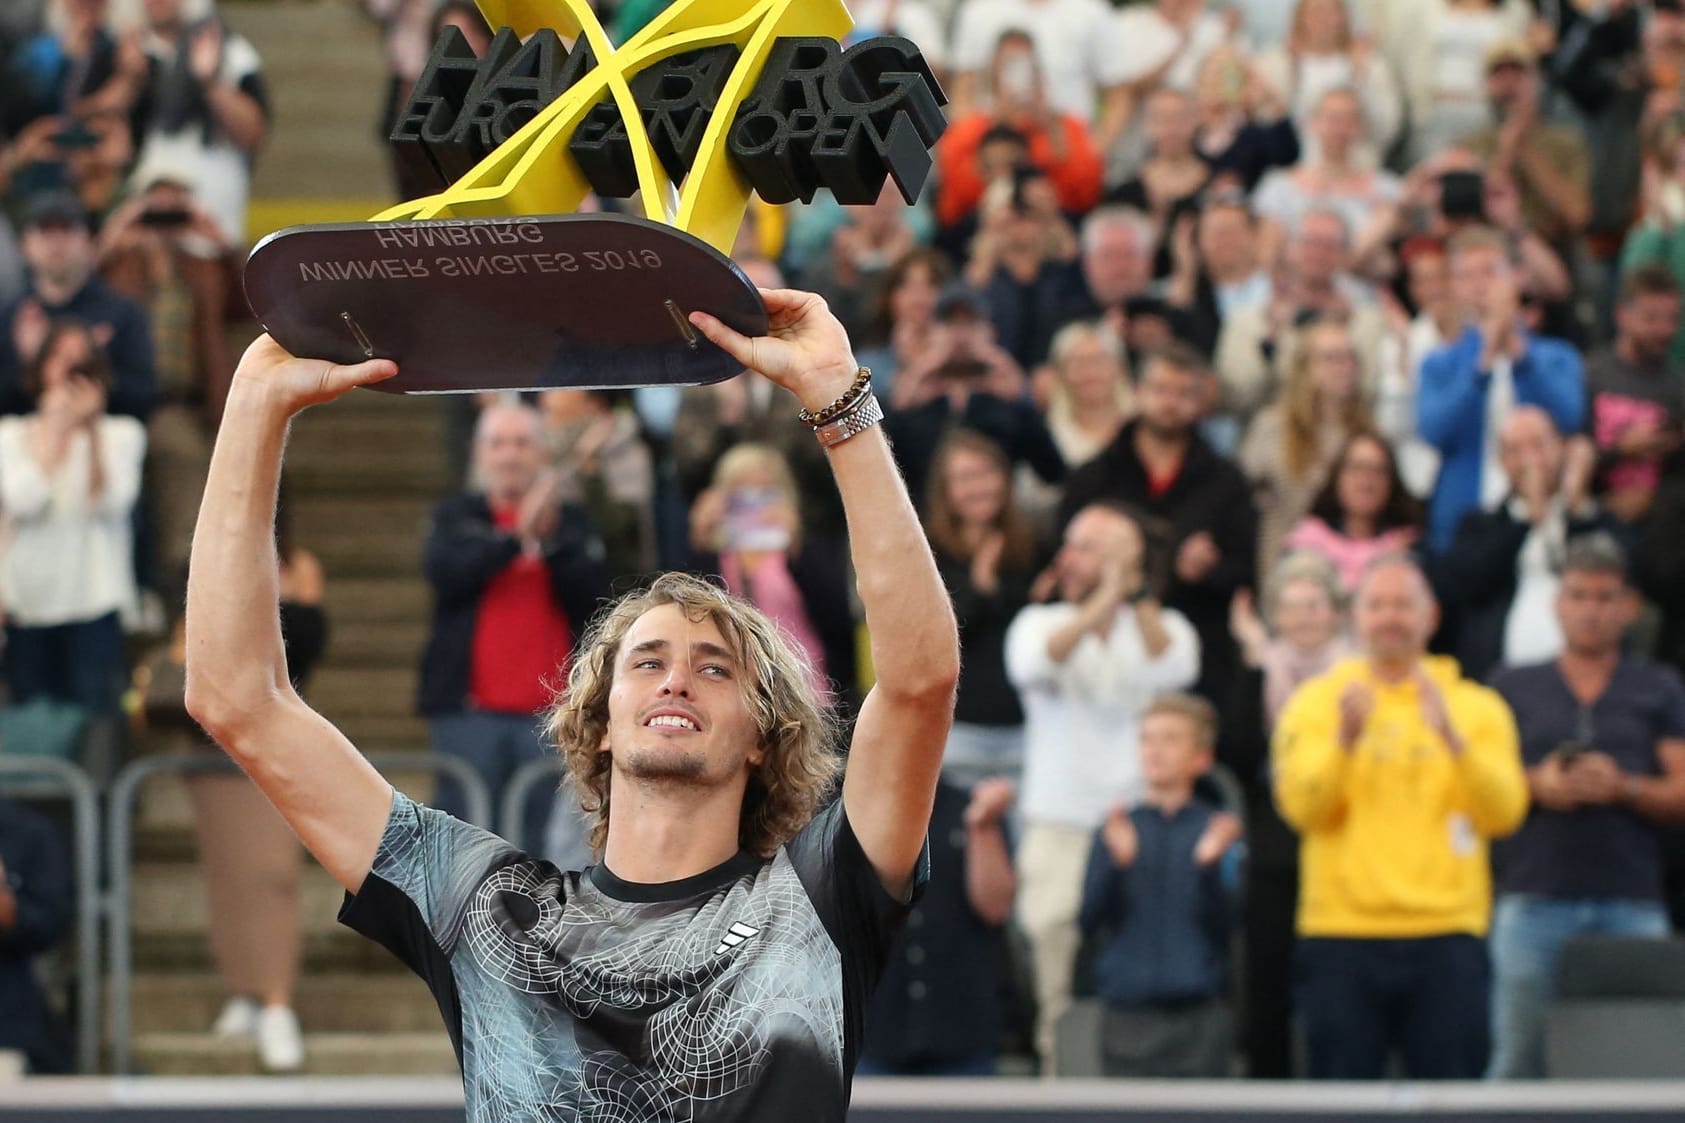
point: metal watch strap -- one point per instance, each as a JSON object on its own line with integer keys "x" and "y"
{"x": 857, "y": 420}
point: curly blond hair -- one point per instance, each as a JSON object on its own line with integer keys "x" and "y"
{"x": 798, "y": 734}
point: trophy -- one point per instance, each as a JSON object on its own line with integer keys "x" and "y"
{"x": 495, "y": 283}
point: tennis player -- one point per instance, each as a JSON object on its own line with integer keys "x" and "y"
{"x": 716, "y": 963}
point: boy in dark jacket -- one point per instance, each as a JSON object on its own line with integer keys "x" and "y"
{"x": 1156, "y": 907}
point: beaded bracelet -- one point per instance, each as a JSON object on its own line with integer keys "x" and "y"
{"x": 851, "y": 399}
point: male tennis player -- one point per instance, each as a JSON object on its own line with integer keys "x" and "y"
{"x": 715, "y": 965}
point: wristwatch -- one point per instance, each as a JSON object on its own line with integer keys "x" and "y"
{"x": 852, "y": 423}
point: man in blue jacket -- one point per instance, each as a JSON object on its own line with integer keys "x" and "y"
{"x": 1470, "y": 385}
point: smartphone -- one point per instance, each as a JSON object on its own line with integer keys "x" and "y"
{"x": 76, "y": 135}
{"x": 752, "y": 521}
{"x": 1570, "y": 751}
{"x": 1462, "y": 195}
{"x": 165, "y": 216}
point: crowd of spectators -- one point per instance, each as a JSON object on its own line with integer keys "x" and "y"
{"x": 1292, "y": 393}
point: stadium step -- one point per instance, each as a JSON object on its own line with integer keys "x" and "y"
{"x": 169, "y": 897}
{"x": 363, "y": 475}
{"x": 327, "y": 1002}
{"x": 164, "y": 830}
{"x": 326, "y": 1054}
{"x": 325, "y": 952}
{"x": 326, "y": 74}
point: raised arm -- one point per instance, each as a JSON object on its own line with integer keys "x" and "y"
{"x": 237, "y": 685}
{"x": 890, "y": 784}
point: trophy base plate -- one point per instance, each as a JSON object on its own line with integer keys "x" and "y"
{"x": 525, "y": 303}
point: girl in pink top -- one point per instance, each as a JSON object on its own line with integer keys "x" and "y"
{"x": 1363, "y": 512}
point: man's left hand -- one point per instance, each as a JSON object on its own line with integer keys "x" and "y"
{"x": 805, "y": 350}
{"x": 1222, "y": 832}
{"x": 1435, "y": 713}
{"x": 1197, "y": 557}
{"x": 990, "y": 801}
{"x": 1596, "y": 779}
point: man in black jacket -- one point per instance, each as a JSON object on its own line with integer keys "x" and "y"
{"x": 58, "y": 246}
{"x": 1504, "y": 566}
{"x": 516, "y": 575}
{"x": 36, "y": 905}
{"x": 1194, "y": 506}
{"x": 966, "y": 380}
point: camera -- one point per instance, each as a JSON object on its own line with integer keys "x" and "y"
{"x": 1462, "y": 195}
{"x": 165, "y": 216}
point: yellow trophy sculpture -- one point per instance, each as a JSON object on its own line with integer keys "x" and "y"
{"x": 494, "y": 282}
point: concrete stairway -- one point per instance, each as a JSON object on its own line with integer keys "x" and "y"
{"x": 362, "y": 1012}
{"x": 363, "y": 474}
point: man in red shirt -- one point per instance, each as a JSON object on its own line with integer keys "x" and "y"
{"x": 515, "y": 575}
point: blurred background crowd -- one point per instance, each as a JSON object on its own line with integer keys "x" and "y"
{"x": 1292, "y": 394}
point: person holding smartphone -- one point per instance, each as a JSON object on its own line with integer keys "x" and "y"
{"x": 747, "y": 529}
{"x": 1603, "y": 739}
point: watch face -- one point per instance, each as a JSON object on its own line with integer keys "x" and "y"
{"x": 464, "y": 305}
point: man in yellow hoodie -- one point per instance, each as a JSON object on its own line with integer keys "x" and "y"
{"x": 1396, "y": 771}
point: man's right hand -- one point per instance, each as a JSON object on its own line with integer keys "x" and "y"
{"x": 29, "y": 329}
{"x": 296, "y": 384}
{"x": 1357, "y": 703}
{"x": 991, "y": 799}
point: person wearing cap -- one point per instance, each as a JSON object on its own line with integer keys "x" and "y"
{"x": 1439, "y": 49}
{"x": 964, "y": 378}
{"x": 58, "y": 248}
{"x": 1549, "y": 163}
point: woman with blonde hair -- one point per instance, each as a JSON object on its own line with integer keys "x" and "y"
{"x": 1324, "y": 52}
{"x": 746, "y": 528}
{"x": 1300, "y": 633}
{"x": 1291, "y": 445}
{"x": 1089, "y": 395}
{"x": 986, "y": 554}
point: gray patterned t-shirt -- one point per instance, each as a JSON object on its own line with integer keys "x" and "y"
{"x": 737, "y": 994}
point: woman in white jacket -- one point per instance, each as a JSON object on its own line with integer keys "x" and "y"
{"x": 69, "y": 477}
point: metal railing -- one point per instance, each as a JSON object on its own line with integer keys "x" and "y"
{"x": 120, "y": 840}
{"x": 512, "y": 815}
{"x": 48, "y": 776}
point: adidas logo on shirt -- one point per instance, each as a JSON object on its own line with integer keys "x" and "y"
{"x": 734, "y": 936}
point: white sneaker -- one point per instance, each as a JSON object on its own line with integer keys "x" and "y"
{"x": 280, "y": 1044}
{"x": 238, "y": 1018}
